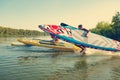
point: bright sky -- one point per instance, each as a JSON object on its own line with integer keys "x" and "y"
{"x": 28, "y": 14}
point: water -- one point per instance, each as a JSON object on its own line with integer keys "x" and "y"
{"x": 36, "y": 63}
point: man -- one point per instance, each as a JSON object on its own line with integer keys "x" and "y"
{"x": 83, "y": 35}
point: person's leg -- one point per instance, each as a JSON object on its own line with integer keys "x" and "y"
{"x": 82, "y": 52}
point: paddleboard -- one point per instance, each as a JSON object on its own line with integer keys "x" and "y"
{"x": 48, "y": 44}
{"x": 73, "y": 35}
{"x": 17, "y": 44}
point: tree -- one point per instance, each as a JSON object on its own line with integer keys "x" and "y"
{"x": 116, "y": 26}
{"x": 103, "y": 28}
{"x": 111, "y": 30}
{"x": 4, "y": 31}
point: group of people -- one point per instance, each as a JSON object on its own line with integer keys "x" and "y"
{"x": 84, "y": 34}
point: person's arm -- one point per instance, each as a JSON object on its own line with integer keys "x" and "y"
{"x": 85, "y": 29}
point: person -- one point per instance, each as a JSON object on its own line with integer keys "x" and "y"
{"x": 85, "y": 30}
{"x": 54, "y": 39}
{"x": 84, "y": 35}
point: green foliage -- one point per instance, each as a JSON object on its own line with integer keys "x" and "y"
{"x": 116, "y": 26}
{"x": 103, "y": 28}
{"x": 111, "y": 30}
{"x": 116, "y": 18}
{"x": 19, "y": 32}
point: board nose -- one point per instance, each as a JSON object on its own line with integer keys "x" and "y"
{"x": 39, "y": 26}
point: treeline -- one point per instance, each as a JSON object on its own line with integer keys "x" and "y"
{"x": 110, "y": 30}
{"x": 6, "y": 32}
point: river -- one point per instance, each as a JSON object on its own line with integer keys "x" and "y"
{"x": 37, "y": 63}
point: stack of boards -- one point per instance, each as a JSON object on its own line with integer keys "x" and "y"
{"x": 75, "y": 36}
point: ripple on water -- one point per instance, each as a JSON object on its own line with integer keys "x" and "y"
{"x": 35, "y": 63}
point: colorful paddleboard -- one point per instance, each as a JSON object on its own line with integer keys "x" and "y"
{"x": 73, "y": 35}
{"x": 48, "y": 44}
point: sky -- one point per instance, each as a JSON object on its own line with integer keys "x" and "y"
{"x": 28, "y": 14}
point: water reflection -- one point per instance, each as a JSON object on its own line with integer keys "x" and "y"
{"x": 49, "y": 55}
{"x": 77, "y": 72}
{"x": 83, "y": 71}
